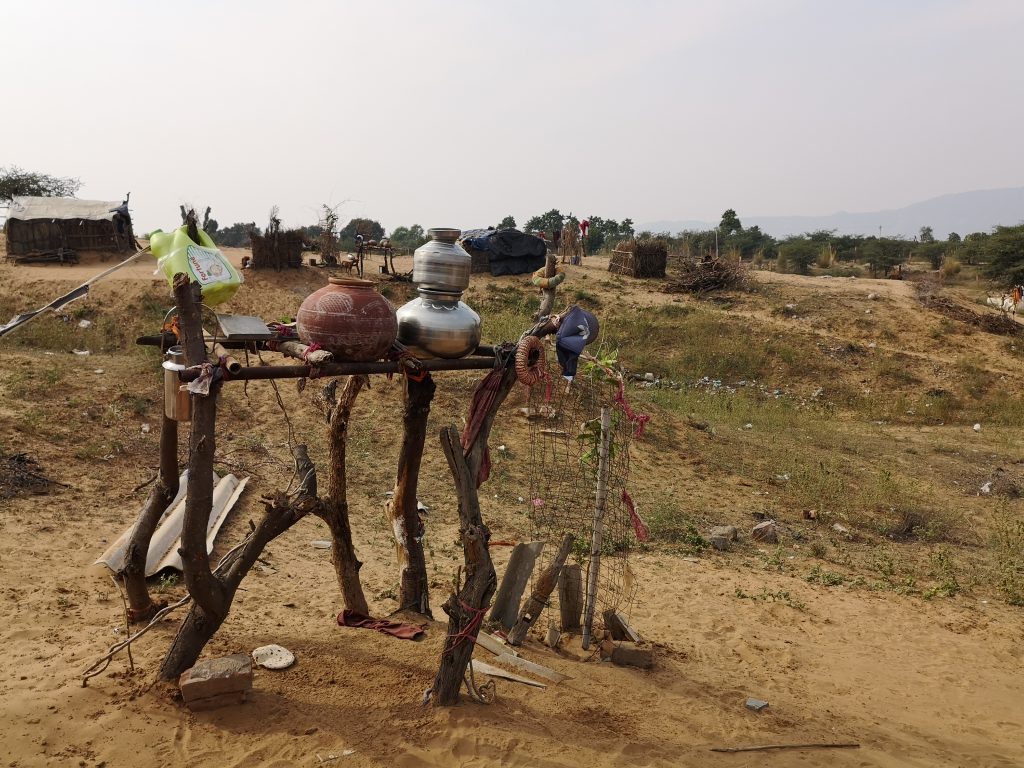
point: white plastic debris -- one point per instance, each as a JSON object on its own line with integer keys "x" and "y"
{"x": 82, "y": 352}
{"x": 84, "y": 323}
{"x": 145, "y": 429}
{"x": 748, "y": 425}
{"x": 321, "y": 544}
{"x": 273, "y": 657}
{"x": 986, "y": 488}
{"x": 977, "y": 427}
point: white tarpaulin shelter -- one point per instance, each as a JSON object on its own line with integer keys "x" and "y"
{"x": 40, "y": 225}
{"x": 29, "y": 208}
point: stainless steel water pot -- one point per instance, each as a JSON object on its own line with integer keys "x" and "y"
{"x": 441, "y": 264}
{"x": 437, "y": 324}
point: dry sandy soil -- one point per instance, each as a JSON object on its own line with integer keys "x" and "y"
{"x": 914, "y": 682}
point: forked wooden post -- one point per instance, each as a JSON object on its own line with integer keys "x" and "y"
{"x": 403, "y": 509}
{"x": 334, "y": 509}
{"x": 594, "y": 568}
{"x": 466, "y": 607}
{"x": 211, "y": 592}
{"x": 547, "y": 304}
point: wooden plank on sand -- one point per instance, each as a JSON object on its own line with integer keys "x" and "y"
{"x": 483, "y": 668}
{"x": 513, "y": 583}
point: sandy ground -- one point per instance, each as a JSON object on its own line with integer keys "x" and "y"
{"x": 915, "y": 683}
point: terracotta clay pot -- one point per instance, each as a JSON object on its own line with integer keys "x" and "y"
{"x": 349, "y": 318}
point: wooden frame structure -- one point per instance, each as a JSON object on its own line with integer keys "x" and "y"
{"x": 212, "y": 589}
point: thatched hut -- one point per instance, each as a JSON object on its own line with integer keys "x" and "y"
{"x": 277, "y": 249}
{"x": 39, "y": 224}
{"x": 639, "y": 258}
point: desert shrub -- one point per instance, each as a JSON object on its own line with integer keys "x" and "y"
{"x": 1008, "y": 555}
{"x": 951, "y": 267}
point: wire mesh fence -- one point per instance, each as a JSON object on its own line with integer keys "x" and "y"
{"x": 565, "y": 468}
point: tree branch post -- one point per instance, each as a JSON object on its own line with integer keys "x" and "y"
{"x": 547, "y": 304}
{"x": 334, "y": 509}
{"x": 467, "y": 606}
{"x": 142, "y": 607}
{"x": 212, "y": 593}
{"x": 403, "y": 509}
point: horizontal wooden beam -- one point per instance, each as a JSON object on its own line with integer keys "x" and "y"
{"x": 253, "y": 373}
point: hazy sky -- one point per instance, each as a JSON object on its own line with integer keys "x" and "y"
{"x": 458, "y": 113}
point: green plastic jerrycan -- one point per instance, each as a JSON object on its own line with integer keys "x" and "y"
{"x": 202, "y": 261}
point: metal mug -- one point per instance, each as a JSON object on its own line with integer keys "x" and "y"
{"x": 177, "y": 400}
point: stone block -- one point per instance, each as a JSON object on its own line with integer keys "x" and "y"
{"x": 232, "y": 699}
{"x": 218, "y": 677}
{"x": 631, "y": 655}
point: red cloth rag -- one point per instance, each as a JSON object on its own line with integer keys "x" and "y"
{"x": 397, "y": 629}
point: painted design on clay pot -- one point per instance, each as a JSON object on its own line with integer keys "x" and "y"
{"x": 349, "y": 318}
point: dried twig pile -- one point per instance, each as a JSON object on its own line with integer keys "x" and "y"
{"x": 20, "y": 474}
{"x": 701, "y": 276}
{"x": 639, "y": 258}
{"x": 986, "y": 321}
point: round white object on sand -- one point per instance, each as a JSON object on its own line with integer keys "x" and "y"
{"x": 273, "y": 657}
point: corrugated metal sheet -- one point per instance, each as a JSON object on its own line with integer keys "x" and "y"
{"x": 163, "y": 547}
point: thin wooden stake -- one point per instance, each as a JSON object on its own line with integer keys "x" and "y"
{"x": 767, "y": 747}
{"x": 595, "y": 546}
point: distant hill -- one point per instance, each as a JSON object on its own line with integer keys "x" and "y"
{"x": 961, "y": 212}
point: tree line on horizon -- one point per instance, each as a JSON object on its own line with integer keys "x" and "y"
{"x": 1000, "y": 251}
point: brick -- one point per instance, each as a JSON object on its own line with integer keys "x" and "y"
{"x": 214, "y": 677}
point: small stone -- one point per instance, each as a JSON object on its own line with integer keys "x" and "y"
{"x": 841, "y": 529}
{"x": 720, "y": 543}
{"x": 765, "y": 532}
{"x": 321, "y": 544}
{"x": 756, "y": 705}
{"x": 310, "y": 731}
{"x": 872, "y": 296}
{"x": 728, "y": 531}
{"x": 631, "y": 655}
